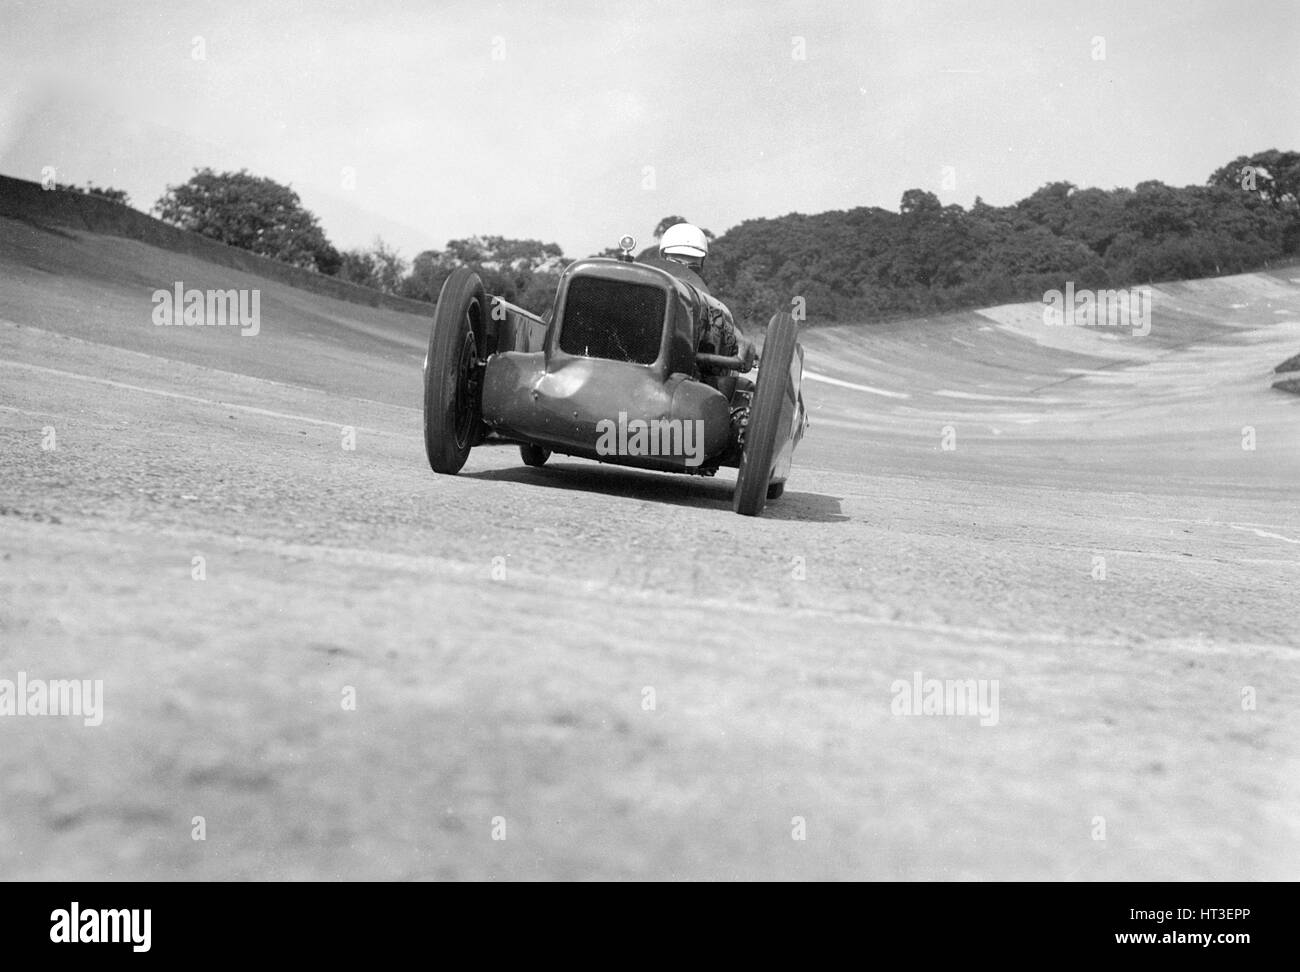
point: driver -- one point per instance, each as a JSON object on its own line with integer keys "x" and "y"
{"x": 686, "y": 246}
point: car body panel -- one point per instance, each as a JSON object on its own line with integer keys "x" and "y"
{"x": 565, "y": 404}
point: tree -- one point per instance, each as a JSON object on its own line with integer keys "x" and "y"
{"x": 252, "y": 213}
{"x": 378, "y": 266}
{"x": 105, "y": 192}
{"x": 329, "y": 261}
{"x": 523, "y": 272}
{"x": 358, "y": 266}
{"x": 90, "y": 189}
{"x": 390, "y": 268}
{"x": 1274, "y": 175}
{"x": 918, "y": 202}
{"x": 428, "y": 270}
{"x": 1049, "y": 206}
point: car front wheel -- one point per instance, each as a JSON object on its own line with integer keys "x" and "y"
{"x": 453, "y": 416}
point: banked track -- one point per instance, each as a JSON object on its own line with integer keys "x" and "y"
{"x": 633, "y": 681}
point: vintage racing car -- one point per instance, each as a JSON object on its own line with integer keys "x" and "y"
{"x": 613, "y": 372}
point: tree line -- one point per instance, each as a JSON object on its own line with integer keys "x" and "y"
{"x": 868, "y": 262}
{"x": 848, "y": 265}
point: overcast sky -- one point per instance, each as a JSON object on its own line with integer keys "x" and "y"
{"x": 576, "y": 122}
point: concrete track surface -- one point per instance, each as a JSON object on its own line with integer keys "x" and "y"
{"x": 609, "y": 669}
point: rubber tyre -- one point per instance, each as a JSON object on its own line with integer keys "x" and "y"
{"x": 453, "y": 416}
{"x": 764, "y": 428}
{"x": 534, "y": 455}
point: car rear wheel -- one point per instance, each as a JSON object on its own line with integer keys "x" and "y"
{"x": 453, "y": 416}
{"x": 534, "y": 455}
{"x": 763, "y": 429}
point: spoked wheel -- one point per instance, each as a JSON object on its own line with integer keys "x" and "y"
{"x": 453, "y": 415}
{"x": 534, "y": 455}
{"x": 764, "y": 429}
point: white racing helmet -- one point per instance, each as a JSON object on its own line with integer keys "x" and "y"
{"x": 684, "y": 240}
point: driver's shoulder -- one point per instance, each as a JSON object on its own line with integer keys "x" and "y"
{"x": 678, "y": 270}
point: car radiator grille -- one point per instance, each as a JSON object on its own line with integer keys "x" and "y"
{"x": 613, "y": 319}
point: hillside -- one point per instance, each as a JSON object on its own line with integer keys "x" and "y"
{"x": 27, "y": 202}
